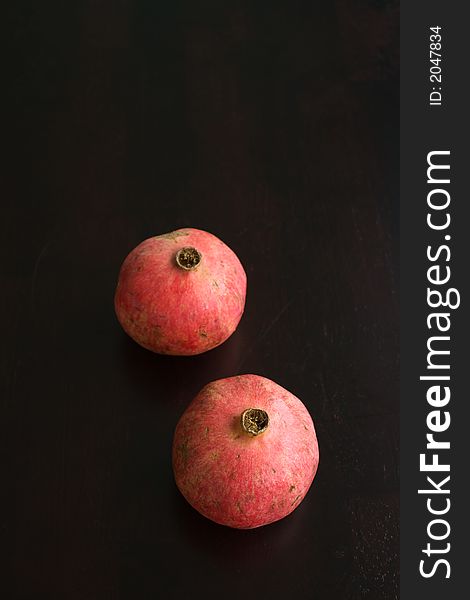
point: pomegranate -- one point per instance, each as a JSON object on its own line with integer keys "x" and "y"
{"x": 245, "y": 452}
{"x": 181, "y": 293}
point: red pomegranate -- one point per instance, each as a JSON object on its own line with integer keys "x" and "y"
{"x": 181, "y": 293}
{"x": 245, "y": 452}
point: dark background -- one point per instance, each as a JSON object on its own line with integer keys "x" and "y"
{"x": 424, "y": 129}
{"x": 274, "y": 126}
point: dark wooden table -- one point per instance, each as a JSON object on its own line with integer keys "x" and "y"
{"x": 274, "y": 126}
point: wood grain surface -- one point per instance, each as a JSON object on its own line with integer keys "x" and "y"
{"x": 274, "y": 126}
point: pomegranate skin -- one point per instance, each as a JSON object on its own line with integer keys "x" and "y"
{"x": 176, "y": 303}
{"x": 235, "y": 478}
